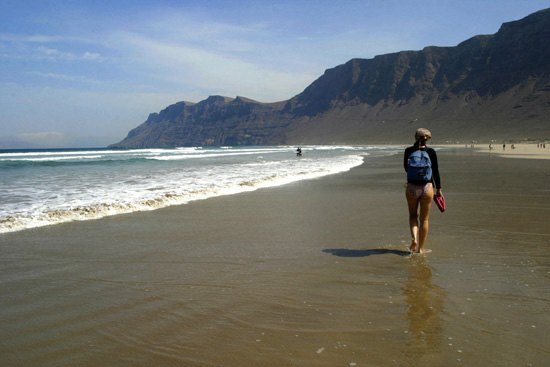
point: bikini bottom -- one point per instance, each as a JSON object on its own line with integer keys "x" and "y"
{"x": 418, "y": 191}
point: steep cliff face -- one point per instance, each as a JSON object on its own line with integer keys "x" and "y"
{"x": 486, "y": 65}
{"x": 492, "y": 86}
{"x": 213, "y": 122}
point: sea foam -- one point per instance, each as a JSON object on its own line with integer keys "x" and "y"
{"x": 41, "y": 188}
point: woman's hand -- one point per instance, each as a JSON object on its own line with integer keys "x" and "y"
{"x": 438, "y": 193}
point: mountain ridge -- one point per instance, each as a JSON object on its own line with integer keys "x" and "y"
{"x": 488, "y": 87}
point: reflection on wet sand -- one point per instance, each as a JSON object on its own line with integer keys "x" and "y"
{"x": 425, "y": 302}
{"x": 235, "y": 281}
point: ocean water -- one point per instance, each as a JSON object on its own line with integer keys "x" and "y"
{"x": 46, "y": 187}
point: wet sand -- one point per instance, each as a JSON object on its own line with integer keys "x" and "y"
{"x": 309, "y": 274}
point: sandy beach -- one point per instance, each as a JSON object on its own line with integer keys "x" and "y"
{"x": 527, "y": 151}
{"x": 308, "y": 274}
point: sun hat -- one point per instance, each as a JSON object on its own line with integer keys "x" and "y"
{"x": 423, "y": 133}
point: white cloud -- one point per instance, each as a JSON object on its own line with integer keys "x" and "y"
{"x": 53, "y": 54}
{"x": 39, "y": 47}
{"x": 224, "y": 73}
{"x": 92, "y": 56}
{"x": 71, "y": 78}
{"x": 43, "y": 38}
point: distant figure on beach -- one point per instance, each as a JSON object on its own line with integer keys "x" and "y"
{"x": 503, "y": 146}
{"x": 299, "y": 152}
{"x": 420, "y": 188}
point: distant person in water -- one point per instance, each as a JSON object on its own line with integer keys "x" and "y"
{"x": 299, "y": 152}
{"x": 420, "y": 188}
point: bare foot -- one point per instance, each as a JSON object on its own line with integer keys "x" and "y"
{"x": 412, "y": 248}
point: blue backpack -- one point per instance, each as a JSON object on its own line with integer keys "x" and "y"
{"x": 419, "y": 167}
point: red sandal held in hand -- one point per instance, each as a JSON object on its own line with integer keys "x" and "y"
{"x": 440, "y": 202}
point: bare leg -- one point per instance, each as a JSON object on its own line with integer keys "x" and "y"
{"x": 425, "y": 206}
{"x": 419, "y": 233}
{"x": 412, "y": 202}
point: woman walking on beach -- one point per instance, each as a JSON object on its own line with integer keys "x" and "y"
{"x": 420, "y": 187}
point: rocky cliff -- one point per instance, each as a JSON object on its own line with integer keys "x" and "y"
{"x": 488, "y": 87}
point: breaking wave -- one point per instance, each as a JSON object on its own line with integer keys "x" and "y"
{"x": 107, "y": 183}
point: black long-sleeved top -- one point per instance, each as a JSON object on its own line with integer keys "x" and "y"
{"x": 433, "y": 157}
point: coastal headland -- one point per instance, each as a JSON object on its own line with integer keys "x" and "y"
{"x": 487, "y": 88}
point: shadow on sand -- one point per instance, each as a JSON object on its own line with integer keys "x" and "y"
{"x": 362, "y": 253}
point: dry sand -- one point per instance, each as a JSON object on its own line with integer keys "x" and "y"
{"x": 309, "y": 274}
{"x": 528, "y": 151}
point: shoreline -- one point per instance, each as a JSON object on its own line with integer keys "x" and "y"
{"x": 522, "y": 150}
{"x": 310, "y": 273}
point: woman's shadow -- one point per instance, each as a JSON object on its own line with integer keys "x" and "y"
{"x": 341, "y": 252}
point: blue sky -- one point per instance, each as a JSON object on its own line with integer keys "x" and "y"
{"x": 83, "y": 73}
